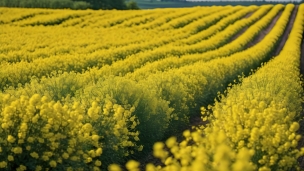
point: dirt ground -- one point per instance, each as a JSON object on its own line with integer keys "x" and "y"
{"x": 287, "y": 31}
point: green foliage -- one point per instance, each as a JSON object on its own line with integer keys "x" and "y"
{"x": 61, "y": 4}
{"x": 132, "y": 5}
{"x": 81, "y": 5}
{"x": 57, "y": 4}
{"x": 108, "y": 4}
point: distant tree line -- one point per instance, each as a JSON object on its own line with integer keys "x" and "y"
{"x": 191, "y": 1}
{"x": 174, "y": 0}
{"x": 72, "y": 4}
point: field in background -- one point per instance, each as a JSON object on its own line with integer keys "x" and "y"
{"x": 148, "y": 4}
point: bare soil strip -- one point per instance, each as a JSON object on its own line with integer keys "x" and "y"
{"x": 262, "y": 34}
{"x": 248, "y": 15}
{"x": 242, "y": 30}
{"x": 265, "y": 31}
{"x": 286, "y": 32}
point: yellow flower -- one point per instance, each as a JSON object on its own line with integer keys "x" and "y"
{"x": 10, "y": 158}
{"x": 34, "y": 155}
{"x": 132, "y": 165}
{"x": 171, "y": 142}
{"x": 96, "y": 169}
{"x": 35, "y": 119}
{"x": 4, "y": 125}
{"x": 70, "y": 150}
{"x": 114, "y": 167}
{"x": 294, "y": 127}
{"x": 44, "y": 99}
{"x": 3, "y": 164}
{"x": 95, "y": 137}
{"x": 69, "y": 169}
{"x": 21, "y": 168}
{"x": 98, "y": 152}
{"x": 97, "y": 163}
{"x": 65, "y": 155}
{"x": 20, "y": 141}
{"x": 45, "y": 158}
{"x": 35, "y": 99}
{"x": 88, "y": 160}
{"x": 136, "y": 138}
{"x": 140, "y": 148}
{"x": 75, "y": 158}
{"x": 53, "y": 163}
{"x": 38, "y": 168}
{"x": 41, "y": 140}
{"x": 23, "y": 127}
{"x": 158, "y": 146}
{"x": 11, "y": 139}
{"x": 59, "y": 160}
{"x": 92, "y": 153}
{"x": 87, "y": 127}
{"x": 30, "y": 139}
{"x": 150, "y": 167}
{"x": 17, "y": 150}
{"x": 186, "y": 134}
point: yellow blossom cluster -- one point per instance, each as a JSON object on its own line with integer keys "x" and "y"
{"x": 262, "y": 113}
{"x": 196, "y": 152}
{"x": 38, "y": 133}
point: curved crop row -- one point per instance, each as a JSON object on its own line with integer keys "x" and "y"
{"x": 192, "y": 85}
{"x": 120, "y": 17}
{"x": 14, "y": 15}
{"x": 203, "y": 80}
{"x": 262, "y": 113}
{"x": 46, "y": 47}
{"x": 186, "y": 19}
{"x": 138, "y": 60}
{"x": 222, "y": 24}
{"x": 227, "y": 49}
{"x": 172, "y": 14}
{"x": 253, "y": 127}
{"x": 50, "y": 19}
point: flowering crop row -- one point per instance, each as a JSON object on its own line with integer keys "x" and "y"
{"x": 253, "y": 127}
{"x": 219, "y": 39}
{"x": 195, "y": 84}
